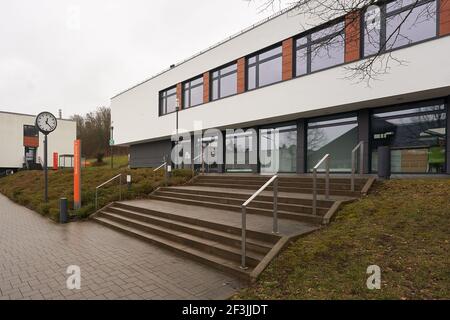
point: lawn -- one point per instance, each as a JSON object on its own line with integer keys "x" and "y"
{"x": 403, "y": 226}
{"x": 27, "y": 187}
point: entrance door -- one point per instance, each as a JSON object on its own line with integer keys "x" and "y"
{"x": 30, "y": 156}
{"x": 241, "y": 151}
{"x": 205, "y": 157}
{"x": 278, "y": 149}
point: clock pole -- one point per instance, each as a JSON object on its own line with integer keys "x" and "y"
{"x": 45, "y": 170}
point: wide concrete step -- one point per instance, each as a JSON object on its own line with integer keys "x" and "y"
{"x": 250, "y": 210}
{"x": 306, "y": 184}
{"x": 209, "y": 259}
{"x": 208, "y": 246}
{"x": 280, "y": 189}
{"x": 244, "y": 195}
{"x": 298, "y": 179}
{"x": 224, "y": 237}
{"x": 238, "y": 202}
{"x": 251, "y": 234}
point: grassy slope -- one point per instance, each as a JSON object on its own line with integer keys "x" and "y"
{"x": 26, "y": 187}
{"x": 403, "y": 226}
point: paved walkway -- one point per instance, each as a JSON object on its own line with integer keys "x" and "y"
{"x": 35, "y": 254}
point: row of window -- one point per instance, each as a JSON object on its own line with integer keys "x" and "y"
{"x": 387, "y": 27}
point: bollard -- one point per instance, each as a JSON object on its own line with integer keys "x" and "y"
{"x": 63, "y": 216}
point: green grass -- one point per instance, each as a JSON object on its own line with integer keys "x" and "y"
{"x": 402, "y": 226}
{"x": 27, "y": 187}
{"x": 118, "y": 162}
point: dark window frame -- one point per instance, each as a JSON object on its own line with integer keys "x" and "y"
{"x": 258, "y": 62}
{"x": 220, "y": 76}
{"x": 310, "y": 43}
{"x": 163, "y": 96}
{"x": 27, "y": 128}
{"x": 383, "y": 36}
{"x": 406, "y": 106}
{"x": 187, "y": 86}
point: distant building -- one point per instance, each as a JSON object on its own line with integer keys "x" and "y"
{"x": 22, "y": 144}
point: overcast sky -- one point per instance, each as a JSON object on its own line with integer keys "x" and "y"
{"x": 75, "y": 55}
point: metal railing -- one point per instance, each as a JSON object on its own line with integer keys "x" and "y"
{"x": 274, "y": 179}
{"x": 119, "y": 176}
{"x": 359, "y": 146}
{"x": 162, "y": 165}
{"x": 325, "y": 159}
{"x": 193, "y": 164}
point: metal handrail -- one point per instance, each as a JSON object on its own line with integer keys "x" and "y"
{"x": 193, "y": 164}
{"x": 162, "y": 165}
{"x": 359, "y": 146}
{"x": 325, "y": 159}
{"x": 105, "y": 183}
{"x": 274, "y": 179}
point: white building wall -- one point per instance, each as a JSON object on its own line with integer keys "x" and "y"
{"x": 135, "y": 112}
{"x": 12, "y": 150}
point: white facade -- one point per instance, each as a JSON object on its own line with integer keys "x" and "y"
{"x": 12, "y": 139}
{"x": 135, "y": 113}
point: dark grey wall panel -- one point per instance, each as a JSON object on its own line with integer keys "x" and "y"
{"x": 149, "y": 154}
{"x": 448, "y": 135}
{"x": 301, "y": 146}
{"x": 364, "y": 135}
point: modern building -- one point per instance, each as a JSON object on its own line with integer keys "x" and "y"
{"x": 291, "y": 73}
{"x": 22, "y": 144}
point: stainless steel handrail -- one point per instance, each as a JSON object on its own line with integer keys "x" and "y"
{"x": 193, "y": 164}
{"x": 325, "y": 159}
{"x": 162, "y": 165}
{"x": 105, "y": 183}
{"x": 274, "y": 179}
{"x": 359, "y": 146}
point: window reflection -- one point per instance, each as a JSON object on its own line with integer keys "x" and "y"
{"x": 416, "y": 136}
{"x": 337, "y": 137}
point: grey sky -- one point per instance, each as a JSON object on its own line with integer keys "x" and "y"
{"x": 75, "y": 55}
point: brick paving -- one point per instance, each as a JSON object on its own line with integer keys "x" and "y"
{"x": 35, "y": 254}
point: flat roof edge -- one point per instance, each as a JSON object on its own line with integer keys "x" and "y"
{"x": 253, "y": 26}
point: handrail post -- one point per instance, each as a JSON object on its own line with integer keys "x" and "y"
{"x": 275, "y": 206}
{"x": 361, "y": 159}
{"x": 314, "y": 191}
{"x": 96, "y": 199}
{"x": 120, "y": 187}
{"x": 327, "y": 179}
{"x": 352, "y": 183}
{"x": 244, "y": 240}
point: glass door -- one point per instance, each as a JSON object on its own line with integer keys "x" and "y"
{"x": 278, "y": 149}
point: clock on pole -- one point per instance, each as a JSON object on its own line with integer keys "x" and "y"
{"x": 46, "y": 122}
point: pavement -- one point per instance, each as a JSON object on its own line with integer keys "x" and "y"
{"x": 35, "y": 254}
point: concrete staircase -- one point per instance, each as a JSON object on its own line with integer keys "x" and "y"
{"x": 215, "y": 244}
{"x": 201, "y": 220}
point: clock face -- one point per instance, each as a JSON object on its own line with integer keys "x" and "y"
{"x": 46, "y": 122}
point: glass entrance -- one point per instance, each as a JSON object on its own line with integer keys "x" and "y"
{"x": 278, "y": 149}
{"x": 30, "y": 156}
{"x": 241, "y": 151}
{"x": 205, "y": 154}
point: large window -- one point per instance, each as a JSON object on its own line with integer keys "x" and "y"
{"x": 399, "y": 23}
{"x": 416, "y": 136}
{"x": 278, "y": 149}
{"x": 193, "y": 92}
{"x": 30, "y": 131}
{"x": 167, "y": 101}
{"x": 321, "y": 49}
{"x": 336, "y": 136}
{"x": 264, "y": 68}
{"x": 224, "y": 82}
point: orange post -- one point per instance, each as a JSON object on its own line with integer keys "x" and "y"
{"x": 77, "y": 175}
{"x": 55, "y": 160}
